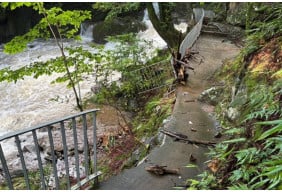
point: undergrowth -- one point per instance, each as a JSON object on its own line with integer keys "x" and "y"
{"x": 250, "y": 156}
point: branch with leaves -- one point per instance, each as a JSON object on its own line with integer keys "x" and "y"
{"x": 57, "y": 24}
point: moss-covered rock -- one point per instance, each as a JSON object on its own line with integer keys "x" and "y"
{"x": 119, "y": 26}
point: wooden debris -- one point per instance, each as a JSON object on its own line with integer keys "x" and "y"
{"x": 161, "y": 170}
{"x": 218, "y": 135}
{"x": 180, "y": 136}
{"x": 192, "y": 100}
{"x": 214, "y": 165}
{"x": 192, "y": 158}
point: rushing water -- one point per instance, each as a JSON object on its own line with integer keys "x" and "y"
{"x": 34, "y": 101}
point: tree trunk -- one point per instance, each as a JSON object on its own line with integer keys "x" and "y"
{"x": 164, "y": 25}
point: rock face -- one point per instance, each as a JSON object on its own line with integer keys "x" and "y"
{"x": 119, "y": 26}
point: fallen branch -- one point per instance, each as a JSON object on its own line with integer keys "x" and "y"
{"x": 216, "y": 33}
{"x": 161, "y": 170}
{"x": 180, "y": 136}
{"x": 185, "y": 64}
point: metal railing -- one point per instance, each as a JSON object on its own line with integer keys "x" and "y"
{"x": 193, "y": 35}
{"x": 71, "y": 145}
{"x": 153, "y": 76}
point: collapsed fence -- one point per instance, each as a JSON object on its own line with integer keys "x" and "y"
{"x": 63, "y": 151}
{"x": 153, "y": 76}
{"x": 163, "y": 74}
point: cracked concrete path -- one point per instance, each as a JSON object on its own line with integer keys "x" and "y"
{"x": 188, "y": 118}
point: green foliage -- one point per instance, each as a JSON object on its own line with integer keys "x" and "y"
{"x": 274, "y": 130}
{"x": 55, "y": 22}
{"x": 130, "y": 53}
{"x": 148, "y": 121}
{"x": 208, "y": 181}
{"x": 266, "y": 23}
{"x": 253, "y": 153}
{"x": 251, "y": 156}
{"x": 115, "y": 9}
{"x": 262, "y": 103}
{"x": 81, "y": 60}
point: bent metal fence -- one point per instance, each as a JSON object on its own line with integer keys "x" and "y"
{"x": 162, "y": 74}
{"x": 57, "y": 155}
{"x": 154, "y": 76}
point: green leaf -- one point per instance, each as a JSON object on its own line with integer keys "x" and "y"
{"x": 274, "y": 183}
{"x": 279, "y": 121}
{"x": 276, "y": 129}
{"x": 259, "y": 184}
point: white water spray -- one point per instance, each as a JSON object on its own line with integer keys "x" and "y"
{"x": 34, "y": 101}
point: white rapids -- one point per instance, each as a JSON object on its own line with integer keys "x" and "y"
{"x": 30, "y": 101}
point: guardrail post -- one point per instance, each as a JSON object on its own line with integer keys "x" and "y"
{"x": 6, "y": 169}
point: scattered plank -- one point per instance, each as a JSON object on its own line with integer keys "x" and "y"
{"x": 191, "y": 100}
{"x": 161, "y": 170}
{"x": 180, "y": 136}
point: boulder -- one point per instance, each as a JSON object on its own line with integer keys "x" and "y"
{"x": 212, "y": 95}
{"x": 119, "y": 26}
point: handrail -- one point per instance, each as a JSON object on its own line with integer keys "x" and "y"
{"x": 193, "y": 35}
{"x": 19, "y": 132}
{"x": 66, "y": 135}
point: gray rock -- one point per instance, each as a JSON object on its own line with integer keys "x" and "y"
{"x": 211, "y": 96}
{"x": 232, "y": 113}
{"x": 29, "y": 149}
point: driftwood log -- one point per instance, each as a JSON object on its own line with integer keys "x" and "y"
{"x": 161, "y": 170}
{"x": 182, "y": 137}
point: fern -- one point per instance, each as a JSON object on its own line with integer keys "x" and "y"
{"x": 274, "y": 130}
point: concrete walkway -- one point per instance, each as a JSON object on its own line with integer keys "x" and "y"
{"x": 188, "y": 118}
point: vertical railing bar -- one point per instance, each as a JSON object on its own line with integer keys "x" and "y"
{"x": 139, "y": 74}
{"x": 160, "y": 76}
{"x": 94, "y": 146}
{"x": 6, "y": 169}
{"x": 85, "y": 146}
{"x": 65, "y": 147}
{"x": 22, "y": 162}
{"x": 149, "y": 75}
{"x": 39, "y": 159}
{"x": 53, "y": 157}
{"x": 76, "y": 151}
{"x": 144, "y": 80}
